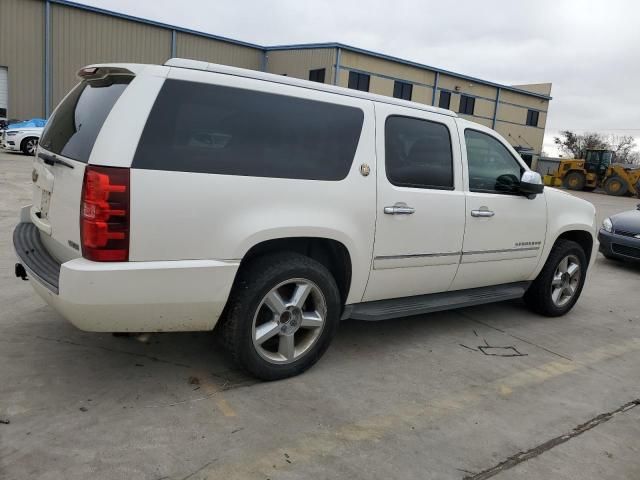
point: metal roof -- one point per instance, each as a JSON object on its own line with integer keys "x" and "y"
{"x": 304, "y": 46}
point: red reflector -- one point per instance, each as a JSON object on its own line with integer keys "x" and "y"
{"x": 104, "y": 214}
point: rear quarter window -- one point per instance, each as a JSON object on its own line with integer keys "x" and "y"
{"x": 73, "y": 128}
{"x": 195, "y": 127}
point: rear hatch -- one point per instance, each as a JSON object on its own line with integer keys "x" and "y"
{"x": 63, "y": 154}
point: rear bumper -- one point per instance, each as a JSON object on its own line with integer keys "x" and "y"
{"x": 619, "y": 246}
{"x": 184, "y": 295}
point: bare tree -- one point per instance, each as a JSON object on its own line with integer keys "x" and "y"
{"x": 575, "y": 145}
{"x": 624, "y": 146}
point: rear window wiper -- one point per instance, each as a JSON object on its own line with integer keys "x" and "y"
{"x": 53, "y": 160}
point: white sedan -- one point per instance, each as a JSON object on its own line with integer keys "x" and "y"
{"x": 21, "y": 139}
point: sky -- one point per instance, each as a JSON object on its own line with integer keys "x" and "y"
{"x": 589, "y": 50}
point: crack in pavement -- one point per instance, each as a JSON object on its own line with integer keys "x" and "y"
{"x": 514, "y": 336}
{"x": 520, "y": 457}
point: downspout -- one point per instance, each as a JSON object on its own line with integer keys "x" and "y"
{"x": 435, "y": 89}
{"x": 336, "y": 73}
{"x": 495, "y": 111}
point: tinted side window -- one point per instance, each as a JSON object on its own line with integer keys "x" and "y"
{"x": 491, "y": 167}
{"x": 418, "y": 153}
{"x": 73, "y": 128}
{"x": 196, "y": 127}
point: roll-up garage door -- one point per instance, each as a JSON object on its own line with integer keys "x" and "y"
{"x": 4, "y": 92}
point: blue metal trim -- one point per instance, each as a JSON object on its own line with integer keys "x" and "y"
{"x": 154, "y": 23}
{"x": 516, "y": 123}
{"x": 336, "y": 73}
{"x": 495, "y": 109}
{"x": 265, "y": 61}
{"x": 47, "y": 59}
{"x": 307, "y": 46}
{"x": 522, "y": 106}
{"x": 388, "y": 77}
{"x": 435, "y": 89}
{"x": 453, "y": 92}
{"x": 173, "y": 44}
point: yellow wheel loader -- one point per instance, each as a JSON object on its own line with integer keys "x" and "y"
{"x": 596, "y": 170}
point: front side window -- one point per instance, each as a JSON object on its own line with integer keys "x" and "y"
{"x": 492, "y": 168}
{"x": 359, "y": 81}
{"x": 467, "y": 104}
{"x": 197, "y": 127}
{"x": 418, "y": 153}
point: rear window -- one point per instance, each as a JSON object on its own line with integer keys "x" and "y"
{"x": 73, "y": 128}
{"x": 195, "y": 127}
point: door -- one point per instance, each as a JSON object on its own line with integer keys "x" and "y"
{"x": 4, "y": 93}
{"x": 505, "y": 230}
{"x": 420, "y": 203}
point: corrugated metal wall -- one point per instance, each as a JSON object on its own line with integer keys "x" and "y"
{"x": 22, "y": 52}
{"x": 214, "y": 51}
{"x": 297, "y": 63}
{"x": 80, "y": 37}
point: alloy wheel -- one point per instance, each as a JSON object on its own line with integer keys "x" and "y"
{"x": 32, "y": 145}
{"x": 566, "y": 280}
{"x": 289, "y": 321}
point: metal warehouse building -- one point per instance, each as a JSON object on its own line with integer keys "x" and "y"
{"x": 43, "y": 43}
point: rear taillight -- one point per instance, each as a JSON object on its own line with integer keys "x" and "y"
{"x": 104, "y": 214}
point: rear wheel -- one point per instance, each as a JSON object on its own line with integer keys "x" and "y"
{"x": 616, "y": 186}
{"x": 282, "y": 314}
{"x": 29, "y": 146}
{"x": 558, "y": 286}
{"x": 575, "y": 181}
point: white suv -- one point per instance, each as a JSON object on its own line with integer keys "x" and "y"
{"x": 21, "y": 139}
{"x": 271, "y": 208}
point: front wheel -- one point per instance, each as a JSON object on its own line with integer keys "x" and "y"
{"x": 575, "y": 181}
{"x": 615, "y": 186}
{"x": 29, "y": 146}
{"x": 282, "y": 314}
{"x": 558, "y": 286}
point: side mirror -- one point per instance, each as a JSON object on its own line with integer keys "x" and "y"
{"x": 531, "y": 184}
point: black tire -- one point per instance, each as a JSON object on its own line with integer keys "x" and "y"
{"x": 29, "y": 146}
{"x": 615, "y": 186}
{"x": 538, "y": 296}
{"x": 574, "y": 181}
{"x": 253, "y": 283}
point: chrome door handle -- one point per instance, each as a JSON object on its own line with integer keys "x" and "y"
{"x": 482, "y": 213}
{"x": 399, "y": 209}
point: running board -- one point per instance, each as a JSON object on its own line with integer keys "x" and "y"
{"x": 435, "y": 302}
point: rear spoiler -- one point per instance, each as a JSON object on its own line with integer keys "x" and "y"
{"x": 100, "y": 72}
